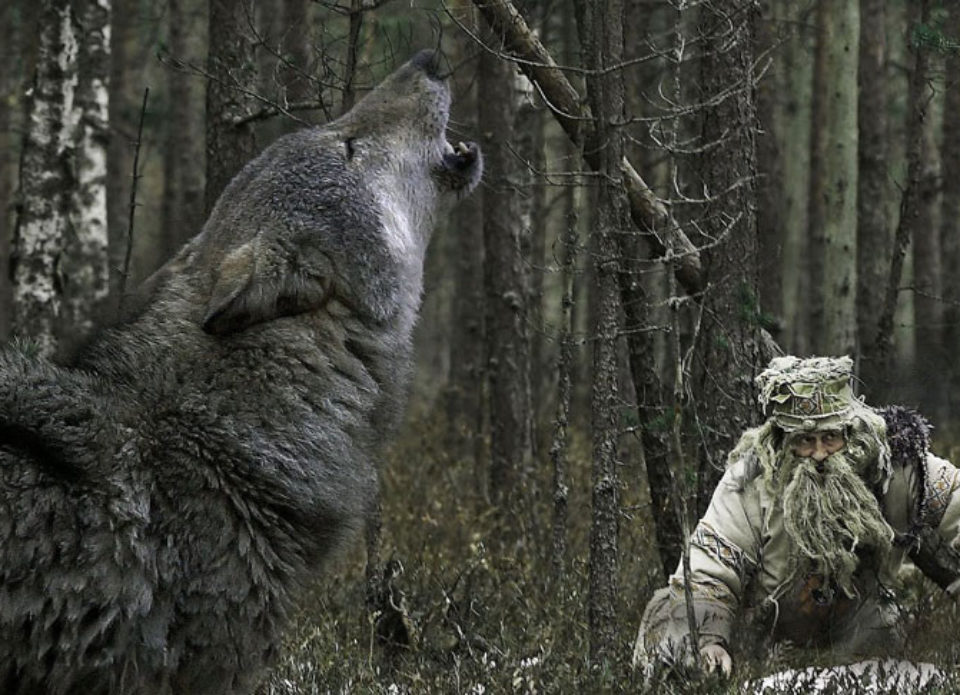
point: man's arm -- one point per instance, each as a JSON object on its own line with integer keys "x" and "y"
{"x": 938, "y": 552}
{"x": 724, "y": 550}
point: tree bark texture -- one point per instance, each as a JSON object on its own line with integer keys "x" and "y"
{"x": 798, "y": 72}
{"x": 918, "y": 102}
{"x": 816, "y": 201}
{"x": 46, "y": 180}
{"x": 931, "y": 362}
{"x": 841, "y": 34}
{"x": 728, "y": 353}
{"x": 10, "y": 29}
{"x": 294, "y": 78}
{"x": 505, "y": 283}
{"x": 873, "y": 193}
{"x": 565, "y": 363}
{"x": 123, "y": 119}
{"x": 950, "y": 214}
{"x": 769, "y": 169}
{"x": 232, "y": 76}
{"x": 601, "y": 38}
{"x": 86, "y": 268}
{"x": 465, "y": 386}
{"x": 181, "y": 207}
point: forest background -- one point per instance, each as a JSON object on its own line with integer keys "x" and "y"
{"x": 674, "y": 190}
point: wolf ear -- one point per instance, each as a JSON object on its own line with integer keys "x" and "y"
{"x": 250, "y": 290}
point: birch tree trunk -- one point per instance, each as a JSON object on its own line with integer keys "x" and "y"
{"x": 232, "y": 68}
{"x": 46, "y": 180}
{"x": 841, "y": 33}
{"x": 873, "y": 230}
{"x": 505, "y": 284}
{"x": 86, "y": 268}
{"x": 601, "y": 38}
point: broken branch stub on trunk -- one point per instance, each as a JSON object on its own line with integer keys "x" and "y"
{"x": 647, "y": 211}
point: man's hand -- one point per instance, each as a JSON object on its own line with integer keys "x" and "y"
{"x": 715, "y": 658}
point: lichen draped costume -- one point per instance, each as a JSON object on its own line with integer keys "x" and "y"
{"x": 891, "y": 500}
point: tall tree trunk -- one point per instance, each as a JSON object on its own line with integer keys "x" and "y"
{"x": 181, "y": 216}
{"x": 798, "y": 71}
{"x": 123, "y": 120}
{"x": 770, "y": 170}
{"x": 230, "y": 62}
{"x": 46, "y": 180}
{"x": 10, "y": 28}
{"x": 505, "y": 284}
{"x": 296, "y": 47}
{"x": 85, "y": 263}
{"x": 950, "y": 215}
{"x": 465, "y": 386}
{"x": 841, "y": 33}
{"x": 601, "y": 38}
{"x": 728, "y": 349}
{"x": 918, "y": 102}
{"x": 565, "y": 363}
{"x": 927, "y": 383}
{"x": 814, "y": 295}
{"x": 873, "y": 231}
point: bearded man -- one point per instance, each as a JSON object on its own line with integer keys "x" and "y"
{"x": 806, "y": 532}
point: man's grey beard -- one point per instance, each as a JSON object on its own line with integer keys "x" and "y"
{"x": 828, "y": 515}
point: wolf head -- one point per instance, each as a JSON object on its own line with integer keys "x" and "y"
{"x": 344, "y": 211}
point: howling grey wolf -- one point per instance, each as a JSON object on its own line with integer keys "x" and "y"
{"x": 165, "y": 498}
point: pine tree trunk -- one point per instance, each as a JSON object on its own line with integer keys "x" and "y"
{"x": 873, "y": 231}
{"x": 927, "y": 384}
{"x": 85, "y": 263}
{"x": 798, "y": 71}
{"x": 601, "y": 38}
{"x": 910, "y": 203}
{"x": 465, "y": 385}
{"x": 950, "y": 216}
{"x": 770, "y": 169}
{"x": 180, "y": 209}
{"x": 728, "y": 347}
{"x": 840, "y": 32}
{"x": 9, "y": 86}
{"x": 505, "y": 284}
{"x": 230, "y": 61}
{"x": 814, "y": 296}
{"x": 123, "y": 127}
{"x": 46, "y": 173}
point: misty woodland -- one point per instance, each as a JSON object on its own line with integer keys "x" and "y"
{"x": 479, "y": 346}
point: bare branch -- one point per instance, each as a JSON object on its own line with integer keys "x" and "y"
{"x": 647, "y": 211}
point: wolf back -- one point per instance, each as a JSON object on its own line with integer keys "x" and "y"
{"x": 166, "y": 496}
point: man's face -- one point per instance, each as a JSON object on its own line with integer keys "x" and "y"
{"x": 830, "y": 513}
{"x": 818, "y": 445}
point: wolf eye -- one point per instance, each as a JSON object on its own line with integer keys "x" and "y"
{"x": 348, "y": 146}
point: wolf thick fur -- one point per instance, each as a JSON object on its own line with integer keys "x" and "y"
{"x": 165, "y": 498}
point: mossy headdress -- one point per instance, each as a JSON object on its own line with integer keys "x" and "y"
{"x": 808, "y": 394}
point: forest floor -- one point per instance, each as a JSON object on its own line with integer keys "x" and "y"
{"x": 483, "y": 608}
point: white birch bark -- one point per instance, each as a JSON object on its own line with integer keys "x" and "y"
{"x": 86, "y": 267}
{"x": 45, "y": 184}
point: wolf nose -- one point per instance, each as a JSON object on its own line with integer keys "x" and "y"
{"x": 429, "y": 61}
